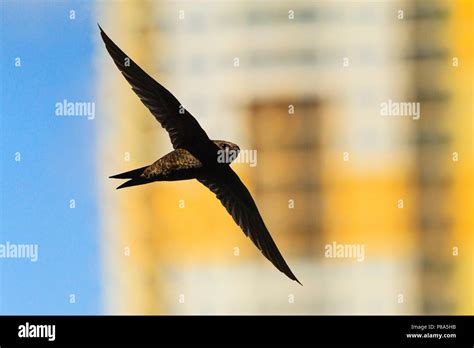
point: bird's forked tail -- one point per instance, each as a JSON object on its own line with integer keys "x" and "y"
{"x": 133, "y": 175}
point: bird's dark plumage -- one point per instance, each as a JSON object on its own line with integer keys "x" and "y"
{"x": 235, "y": 197}
{"x": 184, "y": 131}
{"x": 195, "y": 157}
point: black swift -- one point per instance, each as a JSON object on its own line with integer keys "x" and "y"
{"x": 195, "y": 156}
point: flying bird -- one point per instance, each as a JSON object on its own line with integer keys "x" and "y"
{"x": 195, "y": 156}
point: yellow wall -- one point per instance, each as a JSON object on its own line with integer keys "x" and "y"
{"x": 461, "y": 110}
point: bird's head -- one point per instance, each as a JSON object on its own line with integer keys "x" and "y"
{"x": 227, "y": 152}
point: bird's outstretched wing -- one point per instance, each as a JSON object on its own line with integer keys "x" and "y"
{"x": 238, "y": 201}
{"x": 184, "y": 131}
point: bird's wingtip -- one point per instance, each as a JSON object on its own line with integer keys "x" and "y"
{"x": 292, "y": 277}
{"x": 102, "y": 32}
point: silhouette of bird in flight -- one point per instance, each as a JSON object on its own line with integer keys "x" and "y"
{"x": 195, "y": 156}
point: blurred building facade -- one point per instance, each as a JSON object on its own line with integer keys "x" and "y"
{"x": 442, "y": 38}
{"x": 302, "y": 84}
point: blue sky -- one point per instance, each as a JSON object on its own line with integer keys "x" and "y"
{"x": 57, "y": 158}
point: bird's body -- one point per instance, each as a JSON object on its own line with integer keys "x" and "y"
{"x": 179, "y": 164}
{"x": 195, "y": 156}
